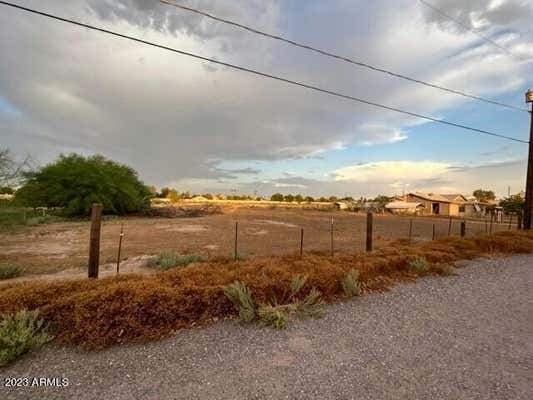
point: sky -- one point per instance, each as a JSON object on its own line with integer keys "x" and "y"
{"x": 200, "y": 127}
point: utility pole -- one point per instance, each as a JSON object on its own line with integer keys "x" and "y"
{"x": 529, "y": 180}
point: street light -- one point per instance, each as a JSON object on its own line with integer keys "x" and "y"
{"x": 529, "y": 96}
{"x": 528, "y": 208}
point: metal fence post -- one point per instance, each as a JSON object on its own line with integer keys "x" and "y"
{"x": 94, "y": 243}
{"x": 369, "y": 229}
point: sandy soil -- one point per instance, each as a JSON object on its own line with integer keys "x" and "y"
{"x": 47, "y": 249}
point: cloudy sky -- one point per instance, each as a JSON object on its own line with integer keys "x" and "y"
{"x": 196, "y": 126}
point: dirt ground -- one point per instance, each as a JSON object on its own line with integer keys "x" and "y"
{"x": 61, "y": 249}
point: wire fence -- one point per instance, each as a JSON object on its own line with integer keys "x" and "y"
{"x": 248, "y": 237}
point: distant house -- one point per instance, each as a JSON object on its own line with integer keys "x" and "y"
{"x": 439, "y": 204}
{"x": 404, "y": 207}
{"x": 339, "y": 205}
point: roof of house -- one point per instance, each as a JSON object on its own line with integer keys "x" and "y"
{"x": 199, "y": 198}
{"x": 403, "y": 205}
{"x": 441, "y": 198}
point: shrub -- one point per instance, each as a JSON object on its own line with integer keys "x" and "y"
{"x": 419, "y": 265}
{"x": 189, "y": 259}
{"x": 278, "y": 315}
{"x": 241, "y": 297}
{"x": 350, "y": 283}
{"x": 170, "y": 259}
{"x": 274, "y": 316}
{"x": 311, "y": 305}
{"x": 21, "y": 332}
{"x": 10, "y": 271}
{"x": 445, "y": 270}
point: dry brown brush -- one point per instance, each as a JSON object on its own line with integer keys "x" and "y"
{"x": 99, "y": 313}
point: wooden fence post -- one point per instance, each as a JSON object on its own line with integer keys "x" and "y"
{"x": 331, "y": 237}
{"x": 491, "y": 220}
{"x": 236, "y": 238}
{"x": 519, "y": 220}
{"x": 433, "y": 237}
{"x": 463, "y": 229}
{"x": 94, "y": 244}
{"x": 120, "y": 247}
{"x": 510, "y": 221}
{"x": 410, "y": 230}
{"x": 301, "y": 243}
{"x": 369, "y": 229}
{"x": 450, "y": 226}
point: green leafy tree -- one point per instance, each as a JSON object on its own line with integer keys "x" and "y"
{"x": 6, "y": 190}
{"x": 309, "y": 199}
{"x": 323, "y": 200}
{"x": 382, "y": 200}
{"x": 513, "y": 204}
{"x": 289, "y": 198}
{"x": 484, "y": 195}
{"x": 75, "y": 182}
{"x": 332, "y": 199}
{"x": 164, "y": 193}
{"x": 276, "y": 197}
{"x": 298, "y": 198}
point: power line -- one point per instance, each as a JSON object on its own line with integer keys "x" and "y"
{"x": 263, "y": 74}
{"x": 468, "y": 28}
{"x": 342, "y": 58}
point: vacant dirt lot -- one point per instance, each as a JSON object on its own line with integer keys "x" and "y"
{"x": 63, "y": 246}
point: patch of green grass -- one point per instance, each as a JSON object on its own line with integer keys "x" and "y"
{"x": 350, "y": 283}
{"x": 170, "y": 259}
{"x": 21, "y": 332}
{"x": 241, "y": 296}
{"x": 419, "y": 265}
{"x": 8, "y": 271}
{"x": 17, "y": 217}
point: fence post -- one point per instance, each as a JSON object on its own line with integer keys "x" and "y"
{"x": 463, "y": 229}
{"x": 510, "y": 221}
{"x": 486, "y": 226}
{"x": 331, "y": 237}
{"x": 120, "y": 247}
{"x": 94, "y": 243}
{"x": 301, "y": 243}
{"x": 491, "y": 220}
{"x": 450, "y": 226}
{"x": 519, "y": 220}
{"x": 433, "y": 237}
{"x": 410, "y": 230}
{"x": 236, "y": 238}
{"x": 369, "y": 228}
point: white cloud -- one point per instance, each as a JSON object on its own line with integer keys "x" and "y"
{"x": 168, "y": 115}
{"x": 392, "y": 171}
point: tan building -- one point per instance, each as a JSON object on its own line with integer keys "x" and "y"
{"x": 439, "y": 204}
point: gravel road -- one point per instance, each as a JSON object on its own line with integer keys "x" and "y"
{"x": 463, "y": 337}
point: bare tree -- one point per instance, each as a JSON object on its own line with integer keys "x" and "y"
{"x": 12, "y": 171}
